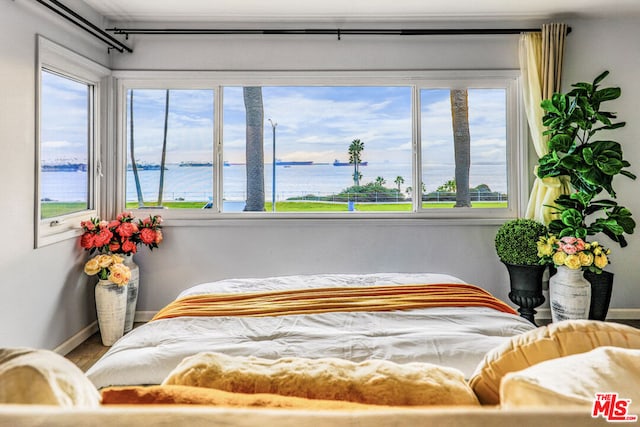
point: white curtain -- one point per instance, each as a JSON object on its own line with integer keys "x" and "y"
{"x": 541, "y": 57}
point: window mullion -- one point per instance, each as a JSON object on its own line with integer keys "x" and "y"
{"x": 416, "y": 193}
{"x": 218, "y": 152}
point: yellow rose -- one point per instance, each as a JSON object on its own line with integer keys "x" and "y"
{"x": 601, "y": 261}
{"x": 586, "y": 258}
{"x": 104, "y": 260}
{"x": 117, "y": 259}
{"x": 544, "y": 248}
{"x": 119, "y": 274}
{"x": 559, "y": 258}
{"x": 573, "y": 262}
{"x": 92, "y": 267}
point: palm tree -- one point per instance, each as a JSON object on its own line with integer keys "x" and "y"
{"x": 461, "y": 145}
{"x": 355, "y": 149}
{"x": 164, "y": 148}
{"x": 399, "y": 181}
{"x": 134, "y": 166}
{"x": 254, "y": 148}
{"x": 449, "y": 186}
{"x": 380, "y": 181}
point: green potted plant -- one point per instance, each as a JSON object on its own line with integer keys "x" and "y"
{"x": 516, "y": 246}
{"x": 573, "y": 121}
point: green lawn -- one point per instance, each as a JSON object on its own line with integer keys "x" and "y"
{"x": 53, "y": 209}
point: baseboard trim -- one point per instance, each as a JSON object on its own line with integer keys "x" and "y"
{"x": 144, "y": 316}
{"x": 612, "y": 314}
{"x": 77, "y": 339}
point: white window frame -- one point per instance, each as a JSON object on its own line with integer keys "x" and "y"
{"x": 422, "y": 79}
{"x": 58, "y": 59}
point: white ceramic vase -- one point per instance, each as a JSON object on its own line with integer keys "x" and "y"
{"x": 111, "y": 306}
{"x": 569, "y": 295}
{"x": 132, "y": 292}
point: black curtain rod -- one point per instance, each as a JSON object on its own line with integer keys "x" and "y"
{"x": 319, "y": 31}
{"x": 86, "y": 25}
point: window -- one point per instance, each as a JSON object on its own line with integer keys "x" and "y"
{"x": 169, "y": 148}
{"x": 307, "y": 159}
{"x": 360, "y": 144}
{"x": 67, "y": 114}
{"x": 64, "y": 145}
{"x": 464, "y": 148}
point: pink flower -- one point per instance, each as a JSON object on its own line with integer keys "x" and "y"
{"x": 87, "y": 240}
{"x": 102, "y": 238}
{"x": 569, "y": 239}
{"x": 569, "y": 249}
{"x": 127, "y": 229}
{"x": 124, "y": 215}
{"x": 88, "y": 225}
{"x": 148, "y": 236}
{"x": 129, "y": 246}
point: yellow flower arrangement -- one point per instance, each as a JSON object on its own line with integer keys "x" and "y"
{"x": 109, "y": 267}
{"x": 573, "y": 252}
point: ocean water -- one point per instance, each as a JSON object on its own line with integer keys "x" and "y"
{"x": 196, "y": 183}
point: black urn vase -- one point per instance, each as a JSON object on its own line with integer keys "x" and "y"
{"x": 526, "y": 288}
{"x": 601, "y": 288}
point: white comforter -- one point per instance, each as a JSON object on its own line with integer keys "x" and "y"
{"x": 451, "y": 336}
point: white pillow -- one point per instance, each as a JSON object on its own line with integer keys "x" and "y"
{"x": 574, "y": 380}
{"x": 43, "y": 377}
{"x": 544, "y": 343}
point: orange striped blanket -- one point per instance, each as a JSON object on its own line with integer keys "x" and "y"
{"x": 322, "y": 300}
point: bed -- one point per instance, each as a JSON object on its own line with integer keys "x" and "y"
{"x": 528, "y": 377}
{"x": 456, "y": 336}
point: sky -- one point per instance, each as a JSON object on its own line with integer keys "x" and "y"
{"x": 64, "y": 119}
{"x": 313, "y": 123}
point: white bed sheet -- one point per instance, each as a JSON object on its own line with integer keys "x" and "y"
{"x": 457, "y": 337}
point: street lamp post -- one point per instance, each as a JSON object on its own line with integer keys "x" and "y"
{"x": 273, "y": 167}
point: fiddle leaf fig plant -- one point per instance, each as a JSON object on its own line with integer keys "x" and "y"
{"x": 573, "y": 121}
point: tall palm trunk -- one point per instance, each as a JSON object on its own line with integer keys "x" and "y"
{"x": 461, "y": 145}
{"x": 254, "y": 148}
{"x": 134, "y": 166}
{"x": 164, "y": 148}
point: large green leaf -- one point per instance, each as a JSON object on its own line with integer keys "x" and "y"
{"x": 587, "y": 155}
{"x": 608, "y": 165}
{"x": 548, "y": 105}
{"x": 600, "y": 77}
{"x": 560, "y": 142}
{"x": 628, "y": 174}
{"x": 607, "y": 94}
{"x": 572, "y": 217}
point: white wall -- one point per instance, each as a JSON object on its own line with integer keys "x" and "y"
{"x": 44, "y": 296}
{"x": 592, "y": 47}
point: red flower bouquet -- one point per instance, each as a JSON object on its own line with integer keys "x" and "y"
{"x": 121, "y": 235}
